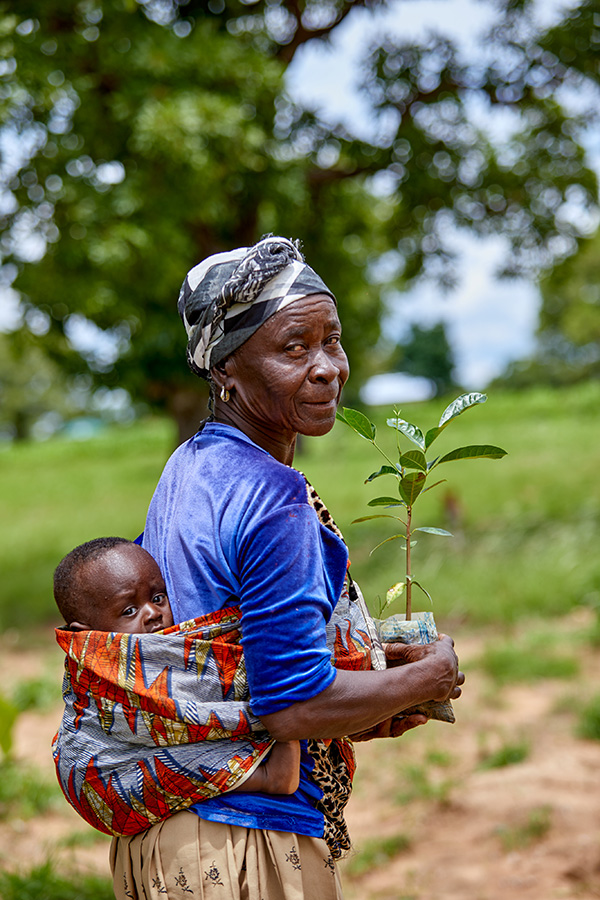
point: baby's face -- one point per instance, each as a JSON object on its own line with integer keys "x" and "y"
{"x": 127, "y": 592}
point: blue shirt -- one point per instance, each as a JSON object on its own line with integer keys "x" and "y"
{"x": 228, "y": 522}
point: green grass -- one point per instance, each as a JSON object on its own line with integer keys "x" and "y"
{"x": 87, "y": 838}
{"x": 39, "y": 693}
{"x": 416, "y": 783}
{"x": 43, "y": 883}
{"x": 589, "y": 720}
{"x": 529, "y": 656}
{"x": 532, "y": 829}
{"x": 60, "y": 493}
{"x": 375, "y": 853}
{"x": 526, "y": 524}
{"x": 25, "y": 792}
{"x": 508, "y": 754}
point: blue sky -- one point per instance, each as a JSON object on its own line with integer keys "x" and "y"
{"x": 489, "y": 322}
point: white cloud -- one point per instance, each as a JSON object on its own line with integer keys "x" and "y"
{"x": 396, "y": 388}
{"x": 489, "y": 321}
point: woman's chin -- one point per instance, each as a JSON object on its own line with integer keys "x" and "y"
{"x": 316, "y": 428}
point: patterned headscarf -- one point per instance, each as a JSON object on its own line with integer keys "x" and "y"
{"x": 228, "y": 296}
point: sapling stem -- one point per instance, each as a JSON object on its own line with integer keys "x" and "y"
{"x": 408, "y": 538}
{"x": 408, "y": 564}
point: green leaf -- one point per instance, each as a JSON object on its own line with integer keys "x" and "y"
{"x": 474, "y": 451}
{"x": 378, "y": 516}
{"x": 394, "y": 537}
{"x": 8, "y": 717}
{"x": 414, "y": 459}
{"x": 359, "y": 423}
{"x": 411, "y": 486}
{"x": 384, "y": 470}
{"x": 428, "y": 530}
{"x": 426, "y": 592}
{"x": 456, "y": 408}
{"x": 412, "y": 432}
{"x": 395, "y": 592}
{"x": 385, "y": 501}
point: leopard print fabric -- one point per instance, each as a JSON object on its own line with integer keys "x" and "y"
{"x": 334, "y": 760}
{"x": 333, "y": 772}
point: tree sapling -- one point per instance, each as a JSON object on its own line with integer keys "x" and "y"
{"x": 412, "y": 472}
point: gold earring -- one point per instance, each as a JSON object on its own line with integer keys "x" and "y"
{"x": 225, "y": 395}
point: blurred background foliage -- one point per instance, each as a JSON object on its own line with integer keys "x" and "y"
{"x": 139, "y": 136}
{"x": 525, "y": 528}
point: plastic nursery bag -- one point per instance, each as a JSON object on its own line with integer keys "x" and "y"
{"x": 420, "y": 629}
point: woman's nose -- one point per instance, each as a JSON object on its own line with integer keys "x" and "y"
{"x": 324, "y": 368}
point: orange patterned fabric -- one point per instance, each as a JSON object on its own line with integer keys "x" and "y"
{"x": 154, "y": 723}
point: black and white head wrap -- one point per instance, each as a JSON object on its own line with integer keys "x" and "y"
{"x": 228, "y": 296}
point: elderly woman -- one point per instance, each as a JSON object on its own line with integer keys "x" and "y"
{"x": 232, "y": 522}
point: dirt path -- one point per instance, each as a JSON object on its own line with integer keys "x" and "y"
{"x": 428, "y": 822}
{"x": 528, "y": 831}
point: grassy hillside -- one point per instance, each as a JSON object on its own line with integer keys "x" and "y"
{"x": 60, "y": 493}
{"x": 525, "y": 525}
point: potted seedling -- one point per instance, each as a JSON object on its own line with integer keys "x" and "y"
{"x": 414, "y": 475}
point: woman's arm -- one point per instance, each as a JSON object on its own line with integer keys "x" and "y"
{"x": 356, "y": 701}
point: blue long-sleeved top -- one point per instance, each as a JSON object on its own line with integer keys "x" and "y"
{"x": 227, "y": 521}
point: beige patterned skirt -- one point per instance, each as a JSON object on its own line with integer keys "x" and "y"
{"x": 186, "y": 858}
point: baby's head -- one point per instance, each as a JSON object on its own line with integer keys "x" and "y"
{"x": 111, "y": 584}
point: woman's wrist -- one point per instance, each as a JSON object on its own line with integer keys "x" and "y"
{"x": 357, "y": 701}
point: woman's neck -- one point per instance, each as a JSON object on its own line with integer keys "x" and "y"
{"x": 280, "y": 446}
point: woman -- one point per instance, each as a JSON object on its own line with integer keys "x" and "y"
{"x": 230, "y": 521}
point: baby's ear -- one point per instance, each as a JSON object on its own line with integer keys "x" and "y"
{"x": 79, "y": 626}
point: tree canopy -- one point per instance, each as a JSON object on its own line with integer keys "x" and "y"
{"x": 426, "y": 353}
{"x": 568, "y": 344}
{"x": 139, "y": 136}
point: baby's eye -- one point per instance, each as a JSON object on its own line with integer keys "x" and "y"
{"x": 160, "y": 599}
{"x": 129, "y": 611}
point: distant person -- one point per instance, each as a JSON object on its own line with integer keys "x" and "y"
{"x": 114, "y": 585}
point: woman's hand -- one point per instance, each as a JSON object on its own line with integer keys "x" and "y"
{"x": 369, "y": 703}
{"x": 450, "y": 677}
{"x": 392, "y": 727}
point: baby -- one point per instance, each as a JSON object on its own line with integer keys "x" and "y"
{"x": 112, "y": 584}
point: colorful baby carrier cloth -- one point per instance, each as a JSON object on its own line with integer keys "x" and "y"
{"x": 154, "y": 723}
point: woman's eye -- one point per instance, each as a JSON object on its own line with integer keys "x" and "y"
{"x": 334, "y": 339}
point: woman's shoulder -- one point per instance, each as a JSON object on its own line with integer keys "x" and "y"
{"x": 227, "y": 458}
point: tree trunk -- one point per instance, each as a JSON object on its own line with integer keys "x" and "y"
{"x": 187, "y": 406}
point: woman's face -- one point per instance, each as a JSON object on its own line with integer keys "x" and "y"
{"x": 288, "y": 377}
